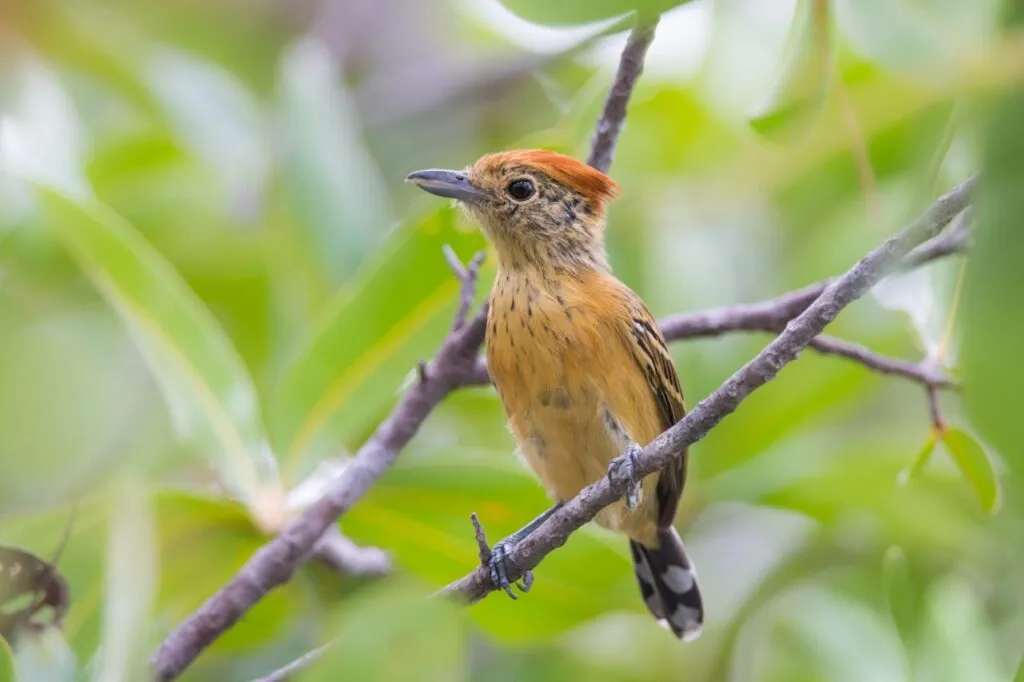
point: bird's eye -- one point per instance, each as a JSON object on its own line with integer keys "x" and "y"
{"x": 521, "y": 190}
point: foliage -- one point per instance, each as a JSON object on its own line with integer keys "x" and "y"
{"x": 212, "y": 278}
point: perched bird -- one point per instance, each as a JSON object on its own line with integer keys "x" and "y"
{"x": 579, "y": 363}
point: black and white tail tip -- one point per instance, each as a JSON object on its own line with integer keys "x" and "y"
{"x": 668, "y": 584}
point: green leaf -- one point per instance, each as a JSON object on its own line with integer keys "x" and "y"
{"x": 975, "y": 465}
{"x": 804, "y": 74}
{"x": 130, "y": 586}
{"x": 6, "y": 662}
{"x": 571, "y": 12}
{"x": 392, "y": 633}
{"x": 341, "y": 200}
{"x": 216, "y": 117}
{"x": 369, "y": 340}
{"x": 989, "y": 323}
{"x": 209, "y": 391}
{"x": 922, "y": 36}
{"x": 904, "y": 589}
{"x": 920, "y": 460}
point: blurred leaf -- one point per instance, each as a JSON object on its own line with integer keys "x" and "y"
{"x": 40, "y": 136}
{"x": 991, "y": 328}
{"x": 340, "y": 196}
{"x": 6, "y": 662}
{"x": 975, "y": 465}
{"x": 369, "y": 341}
{"x": 569, "y": 12}
{"x": 219, "y": 119}
{"x": 920, "y": 459}
{"x": 961, "y": 642}
{"x": 210, "y": 394}
{"x": 392, "y": 633}
{"x": 804, "y": 74}
{"x": 905, "y": 592}
{"x": 45, "y": 657}
{"x": 927, "y": 36}
{"x": 129, "y": 590}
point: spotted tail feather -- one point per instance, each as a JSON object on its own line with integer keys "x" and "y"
{"x": 668, "y": 584}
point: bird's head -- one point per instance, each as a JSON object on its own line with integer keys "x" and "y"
{"x": 537, "y": 207}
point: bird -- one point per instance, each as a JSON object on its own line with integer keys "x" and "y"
{"x": 579, "y": 363}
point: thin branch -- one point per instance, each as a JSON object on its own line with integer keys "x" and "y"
{"x": 609, "y": 126}
{"x": 926, "y": 373}
{"x": 483, "y": 548}
{"x": 935, "y": 410}
{"x": 956, "y": 239}
{"x": 467, "y": 276}
{"x": 338, "y": 552}
{"x": 798, "y": 334}
{"x": 276, "y": 562}
{"x": 286, "y": 672}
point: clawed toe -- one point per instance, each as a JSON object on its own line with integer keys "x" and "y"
{"x": 624, "y": 468}
{"x": 499, "y": 571}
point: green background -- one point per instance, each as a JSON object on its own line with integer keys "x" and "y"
{"x": 213, "y": 278}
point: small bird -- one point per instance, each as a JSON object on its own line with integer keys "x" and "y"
{"x": 578, "y": 362}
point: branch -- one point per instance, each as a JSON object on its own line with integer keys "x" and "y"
{"x": 286, "y": 672}
{"x": 609, "y": 126}
{"x": 341, "y": 554}
{"x": 276, "y": 562}
{"x": 798, "y": 334}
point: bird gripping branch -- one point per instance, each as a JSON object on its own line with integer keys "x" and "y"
{"x": 579, "y": 363}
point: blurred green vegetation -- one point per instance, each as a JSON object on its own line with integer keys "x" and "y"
{"x": 212, "y": 279}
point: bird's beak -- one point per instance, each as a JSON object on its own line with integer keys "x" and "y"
{"x": 450, "y": 184}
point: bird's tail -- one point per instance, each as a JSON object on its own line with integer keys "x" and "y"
{"x": 668, "y": 583}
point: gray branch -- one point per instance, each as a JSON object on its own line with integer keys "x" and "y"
{"x": 276, "y": 562}
{"x": 609, "y": 126}
{"x": 337, "y": 552}
{"x": 797, "y": 335}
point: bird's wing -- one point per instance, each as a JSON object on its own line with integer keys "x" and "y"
{"x": 647, "y": 347}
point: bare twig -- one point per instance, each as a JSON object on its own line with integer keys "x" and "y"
{"x": 955, "y": 239}
{"x": 481, "y": 540}
{"x": 926, "y": 373}
{"x": 934, "y": 409}
{"x": 285, "y": 673}
{"x": 631, "y": 65}
{"x": 338, "y": 552}
{"x": 468, "y": 276}
{"x": 798, "y": 334}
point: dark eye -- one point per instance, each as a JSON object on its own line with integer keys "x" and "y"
{"x": 520, "y": 190}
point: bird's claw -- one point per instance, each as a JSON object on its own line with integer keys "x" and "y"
{"x": 623, "y": 468}
{"x": 499, "y": 571}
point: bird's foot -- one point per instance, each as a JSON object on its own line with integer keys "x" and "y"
{"x": 499, "y": 569}
{"x": 624, "y": 468}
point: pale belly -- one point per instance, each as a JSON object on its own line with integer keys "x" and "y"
{"x": 568, "y": 438}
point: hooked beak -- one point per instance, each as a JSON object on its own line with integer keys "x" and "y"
{"x": 450, "y": 184}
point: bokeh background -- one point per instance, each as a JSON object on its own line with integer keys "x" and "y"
{"x": 214, "y": 284}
